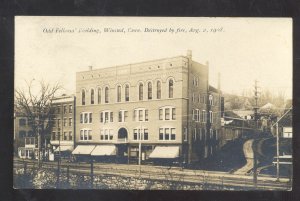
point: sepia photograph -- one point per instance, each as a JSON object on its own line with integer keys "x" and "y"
{"x": 153, "y": 103}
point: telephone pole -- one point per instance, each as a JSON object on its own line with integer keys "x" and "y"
{"x": 256, "y": 117}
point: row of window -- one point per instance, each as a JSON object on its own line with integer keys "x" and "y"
{"x": 200, "y": 134}
{"x": 23, "y": 134}
{"x": 67, "y": 135}
{"x": 66, "y": 109}
{"x": 119, "y": 93}
{"x": 141, "y": 114}
{"x": 201, "y": 116}
{"x": 57, "y": 122}
{"x": 201, "y": 98}
{"x": 29, "y": 141}
{"x": 138, "y": 134}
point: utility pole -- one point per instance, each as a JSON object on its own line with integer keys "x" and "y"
{"x": 256, "y": 130}
{"x": 277, "y": 152}
{"x": 140, "y": 147}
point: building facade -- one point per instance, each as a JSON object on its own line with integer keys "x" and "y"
{"x": 161, "y": 109}
{"x": 63, "y": 128}
{"x": 24, "y": 138}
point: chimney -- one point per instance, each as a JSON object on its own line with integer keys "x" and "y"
{"x": 189, "y": 54}
{"x": 90, "y": 67}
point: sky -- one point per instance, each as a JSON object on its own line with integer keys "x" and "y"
{"x": 53, "y": 49}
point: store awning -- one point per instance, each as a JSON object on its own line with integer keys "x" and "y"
{"x": 64, "y": 148}
{"x": 165, "y": 152}
{"x": 104, "y": 150}
{"x": 83, "y": 149}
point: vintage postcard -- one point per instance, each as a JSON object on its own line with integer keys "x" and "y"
{"x": 153, "y": 103}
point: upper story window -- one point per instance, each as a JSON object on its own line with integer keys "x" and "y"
{"x": 92, "y": 96}
{"x": 211, "y": 100}
{"x": 167, "y": 134}
{"x": 29, "y": 140}
{"x": 58, "y": 122}
{"x": 196, "y": 115}
{"x": 70, "y": 108}
{"x": 203, "y": 99}
{"x": 106, "y": 94}
{"x": 140, "y": 114}
{"x": 203, "y": 116}
{"x": 22, "y": 122}
{"x": 196, "y": 81}
{"x": 158, "y": 90}
{"x": 126, "y": 92}
{"x": 70, "y": 121}
{"x": 167, "y": 113}
{"x": 149, "y": 90}
{"x": 211, "y": 117}
{"x": 65, "y": 122}
{"x": 22, "y": 134}
{"x": 65, "y": 109}
{"x": 85, "y": 134}
{"x": 193, "y": 97}
{"x": 171, "y": 83}
{"x": 58, "y": 109}
{"x": 83, "y": 97}
{"x": 99, "y": 95}
{"x": 86, "y": 117}
{"x": 123, "y": 116}
{"x": 185, "y": 134}
{"x": 140, "y": 134}
{"x": 106, "y": 134}
{"x": 106, "y": 116}
{"x": 141, "y": 94}
{"x": 119, "y": 93}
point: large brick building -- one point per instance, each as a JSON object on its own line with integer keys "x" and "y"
{"x": 168, "y": 102}
{"x": 63, "y": 128}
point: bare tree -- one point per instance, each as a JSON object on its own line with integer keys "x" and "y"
{"x": 37, "y": 107}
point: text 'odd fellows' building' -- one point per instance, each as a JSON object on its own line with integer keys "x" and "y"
{"x": 164, "y": 107}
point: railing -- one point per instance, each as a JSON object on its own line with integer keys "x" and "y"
{"x": 122, "y": 140}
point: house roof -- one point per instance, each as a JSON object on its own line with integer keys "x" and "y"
{"x": 287, "y": 120}
{"x": 213, "y": 89}
{"x": 231, "y": 114}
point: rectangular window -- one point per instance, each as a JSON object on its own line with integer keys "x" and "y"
{"x": 81, "y": 118}
{"x": 135, "y": 134}
{"x": 70, "y": 109}
{"x": 111, "y": 117}
{"x": 196, "y": 114}
{"x": 173, "y": 134}
{"x": 203, "y": 116}
{"x": 167, "y": 133}
{"x": 65, "y": 122}
{"x": 161, "y": 134}
{"x": 160, "y": 114}
{"x": 70, "y": 135}
{"x": 193, "y": 114}
{"x": 53, "y": 135}
{"x": 65, "y": 109}
{"x": 90, "y": 117}
{"x": 120, "y": 116}
{"x": 90, "y": 134}
{"x": 106, "y": 116}
{"x": 193, "y": 97}
{"x": 195, "y": 134}
{"x": 111, "y": 134}
{"x": 70, "y": 121}
{"x": 211, "y": 118}
{"x": 86, "y": 118}
{"x": 101, "y": 135}
{"x": 58, "y": 135}
{"x": 85, "y": 135}
{"x": 101, "y": 117}
{"x": 173, "y": 113}
{"x": 58, "y": 109}
{"x": 140, "y": 115}
{"x": 81, "y": 135}
{"x": 125, "y": 116}
{"x": 146, "y": 115}
{"x": 58, "y": 122}
{"x": 65, "y": 135}
{"x": 167, "y": 114}
{"x": 145, "y": 134}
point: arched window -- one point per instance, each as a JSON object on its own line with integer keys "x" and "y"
{"x": 171, "y": 88}
{"x": 141, "y": 91}
{"x": 92, "y": 96}
{"x": 119, "y": 94}
{"x": 149, "y": 90}
{"x": 99, "y": 95}
{"x": 126, "y": 92}
{"x": 83, "y": 97}
{"x": 158, "y": 90}
{"x": 106, "y": 94}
